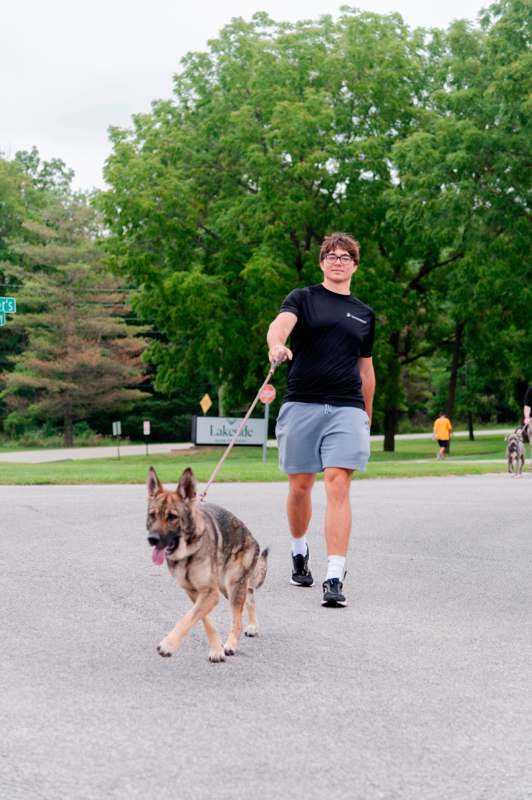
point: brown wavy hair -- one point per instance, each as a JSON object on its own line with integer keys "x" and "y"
{"x": 343, "y": 240}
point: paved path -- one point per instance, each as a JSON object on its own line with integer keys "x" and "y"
{"x": 64, "y": 454}
{"x": 80, "y": 453}
{"x": 419, "y": 690}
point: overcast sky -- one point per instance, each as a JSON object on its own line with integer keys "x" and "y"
{"x": 69, "y": 69}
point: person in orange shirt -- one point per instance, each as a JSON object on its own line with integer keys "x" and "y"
{"x": 442, "y": 433}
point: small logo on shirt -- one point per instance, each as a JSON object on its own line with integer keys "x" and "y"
{"x": 363, "y": 321}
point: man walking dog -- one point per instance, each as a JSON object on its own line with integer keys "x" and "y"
{"x": 324, "y": 421}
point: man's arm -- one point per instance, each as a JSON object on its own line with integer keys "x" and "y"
{"x": 526, "y": 414}
{"x": 367, "y": 376}
{"x": 278, "y": 332}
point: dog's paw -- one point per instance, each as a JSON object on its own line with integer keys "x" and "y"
{"x": 251, "y": 630}
{"x": 215, "y": 656}
{"x": 230, "y": 647}
{"x": 165, "y": 649}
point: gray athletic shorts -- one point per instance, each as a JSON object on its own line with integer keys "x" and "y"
{"x": 313, "y": 436}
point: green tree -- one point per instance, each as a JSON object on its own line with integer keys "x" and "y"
{"x": 14, "y": 186}
{"x": 80, "y": 356}
{"x": 46, "y": 176}
{"x": 467, "y": 176}
{"x": 11, "y": 204}
{"x": 28, "y": 186}
{"x": 281, "y": 133}
{"x": 220, "y": 198}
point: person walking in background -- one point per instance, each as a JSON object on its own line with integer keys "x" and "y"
{"x": 324, "y": 421}
{"x": 442, "y": 433}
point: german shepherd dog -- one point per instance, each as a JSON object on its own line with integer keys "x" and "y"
{"x": 515, "y": 452}
{"x": 208, "y": 551}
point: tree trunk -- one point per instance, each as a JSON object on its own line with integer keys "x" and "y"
{"x": 391, "y": 416}
{"x": 221, "y": 400}
{"x": 455, "y": 364}
{"x": 470, "y": 426}
{"x": 68, "y": 430}
{"x": 391, "y": 393}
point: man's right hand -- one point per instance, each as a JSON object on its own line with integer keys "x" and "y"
{"x": 279, "y": 353}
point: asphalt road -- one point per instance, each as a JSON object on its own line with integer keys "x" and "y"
{"x": 419, "y": 690}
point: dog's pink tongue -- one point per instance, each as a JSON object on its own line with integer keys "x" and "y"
{"x": 158, "y": 556}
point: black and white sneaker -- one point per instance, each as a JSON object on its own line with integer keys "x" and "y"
{"x": 333, "y": 596}
{"x": 301, "y": 575}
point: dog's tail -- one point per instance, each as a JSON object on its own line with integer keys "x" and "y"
{"x": 261, "y": 569}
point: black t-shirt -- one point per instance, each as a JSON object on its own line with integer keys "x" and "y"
{"x": 331, "y": 333}
{"x": 528, "y": 396}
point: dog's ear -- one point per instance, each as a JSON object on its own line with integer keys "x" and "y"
{"x": 186, "y": 488}
{"x": 153, "y": 484}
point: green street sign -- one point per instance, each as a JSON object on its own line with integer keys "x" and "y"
{"x": 2, "y": 319}
{"x": 8, "y": 305}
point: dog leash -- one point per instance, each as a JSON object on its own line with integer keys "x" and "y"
{"x": 237, "y": 434}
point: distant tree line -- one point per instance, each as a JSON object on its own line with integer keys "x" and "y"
{"x": 69, "y": 353}
{"x": 415, "y": 141}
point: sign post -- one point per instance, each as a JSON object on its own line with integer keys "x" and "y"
{"x": 117, "y": 431}
{"x": 146, "y": 431}
{"x": 267, "y": 396}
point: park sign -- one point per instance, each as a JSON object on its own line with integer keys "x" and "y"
{"x": 2, "y": 319}
{"x": 220, "y": 430}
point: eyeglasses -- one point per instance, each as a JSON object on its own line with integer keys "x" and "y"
{"x": 332, "y": 258}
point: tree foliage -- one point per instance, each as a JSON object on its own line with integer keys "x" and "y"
{"x": 417, "y": 142}
{"x": 220, "y": 199}
{"x": 467, "y": 175}
{"x": 80, "y": 357}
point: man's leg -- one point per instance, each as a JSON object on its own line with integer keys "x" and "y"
{"x": 337, "y": 531}
{"x": 299, "y": 505}
{"x": 299, "y": 511}
{"x": 338, "y": 511}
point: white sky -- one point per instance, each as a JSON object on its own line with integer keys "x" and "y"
{"x": 71, "y": 68}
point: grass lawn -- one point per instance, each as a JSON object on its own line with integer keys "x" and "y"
{"x": 245, "y": 464}
{"x": 462, "y": 448}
